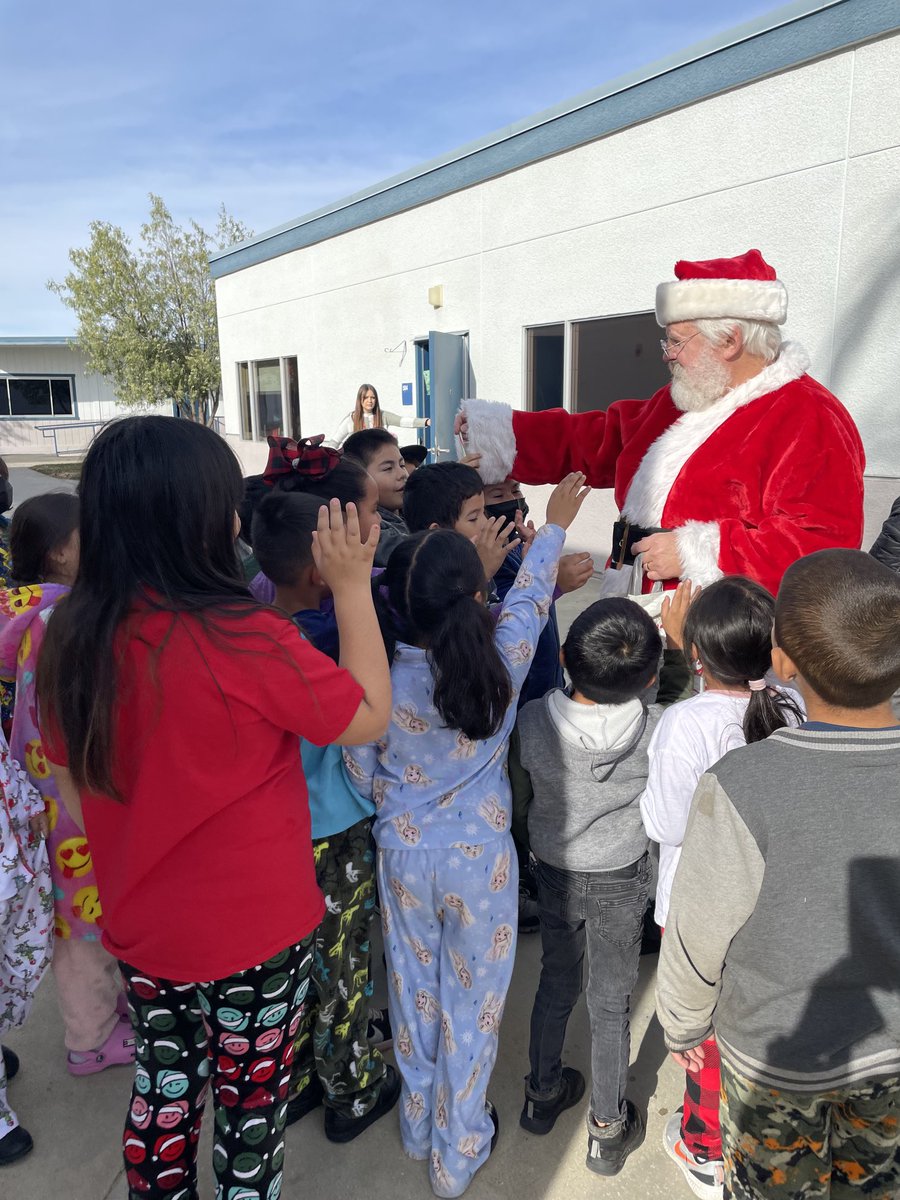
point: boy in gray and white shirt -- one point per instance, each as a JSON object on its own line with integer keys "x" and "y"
{"x": 578, "y": 767}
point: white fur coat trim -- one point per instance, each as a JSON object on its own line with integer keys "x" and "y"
{"x": 661, "y": 465}
{"x": 491, "y": 435}
{"x": 698, "y": 548}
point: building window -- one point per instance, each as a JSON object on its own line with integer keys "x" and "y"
{"x": 28, "y": 396}
{"x": 614, "y": 358}
{"x": 246, "y": 401}
{"x": 269, "y": 396}
{"x": 545, "y": 359}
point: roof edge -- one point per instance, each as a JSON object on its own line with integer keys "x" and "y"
{"x": 798, "y": 33}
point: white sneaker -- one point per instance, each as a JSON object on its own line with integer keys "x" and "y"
{"x": 705, "y": 1179}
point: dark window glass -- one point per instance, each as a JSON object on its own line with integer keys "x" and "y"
{"x": 614, "y": 357}
{"x": 61, "y": 391}
{"x": 30, "y": 397}
{"x": 545, "y": 367}
{"x": 4, "y": 399}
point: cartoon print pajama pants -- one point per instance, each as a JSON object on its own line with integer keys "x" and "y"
{"x": 331, "y": 1049}
{"x": 235, "y": 1033}
{"x": 449, "y": 918}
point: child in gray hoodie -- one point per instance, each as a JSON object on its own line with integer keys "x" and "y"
{"x": 578, "y": 766}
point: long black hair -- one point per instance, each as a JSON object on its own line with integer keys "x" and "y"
{"x": 730, "y": 624}
{"x": 40, "y": 525}
{"x": 158, "y": 499}
{"x": 435, "y": 583}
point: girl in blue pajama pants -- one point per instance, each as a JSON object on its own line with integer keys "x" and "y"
{"x": 447, "y": 870}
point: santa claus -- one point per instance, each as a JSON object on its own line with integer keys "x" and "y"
{"x": 741, "y": 464}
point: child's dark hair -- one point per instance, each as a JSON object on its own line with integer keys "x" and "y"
{"x": 730, "y": 624}
{"x": 158, "y": 498}
{"x": 612, "y": 651}
{"x": 365, "y": 444}
{"x": 432, "y": 580}
{"x": 39, "y": 526}
{"x": 837, "y": 617}
{"x": 347, "y": 482}
{"x": 434, "y": 495}
{"x": 283, "y": 526}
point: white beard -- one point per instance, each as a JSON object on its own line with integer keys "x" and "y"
{"x": 702, "y": 386}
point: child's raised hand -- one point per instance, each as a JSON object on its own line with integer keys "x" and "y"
{"x": 566, "y": 499}
{"x": 494, "y": 543}
{"x": 341, "y": 557}
{"x": 526, "y": 532}
{"x": 40, "y": 826}
{"x": 674, "y": 612}
{"x": 574, "y": 571}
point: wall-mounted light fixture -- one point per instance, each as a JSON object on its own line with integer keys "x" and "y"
{"x": 436, "y": 296}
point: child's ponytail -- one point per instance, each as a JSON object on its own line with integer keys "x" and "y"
{"x": 730, "y": 625}
{"x": 434, "y": 581}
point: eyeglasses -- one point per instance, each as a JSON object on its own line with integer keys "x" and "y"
{"x": 671, "y": 349}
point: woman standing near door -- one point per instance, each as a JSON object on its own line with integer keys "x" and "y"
{"x": 368, "y": 414}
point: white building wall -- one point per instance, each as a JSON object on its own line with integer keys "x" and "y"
{"x": 804, "y": 165}
{"x": 95, "y": 399}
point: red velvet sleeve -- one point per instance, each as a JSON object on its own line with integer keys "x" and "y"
{"x": 551, "y": 444}
{"x": 810, "y": 505}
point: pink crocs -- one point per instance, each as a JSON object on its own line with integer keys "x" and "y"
{"x": 116, "y": 1051}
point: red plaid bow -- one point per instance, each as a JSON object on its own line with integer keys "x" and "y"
{"x": 307, "y": 457}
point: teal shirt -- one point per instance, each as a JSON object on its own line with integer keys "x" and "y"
{"x": 334, "y": 803}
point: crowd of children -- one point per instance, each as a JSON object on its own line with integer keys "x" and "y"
{"x": 246, "y": 715}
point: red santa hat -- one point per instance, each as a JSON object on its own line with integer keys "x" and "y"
{"x": 744, "y": 287}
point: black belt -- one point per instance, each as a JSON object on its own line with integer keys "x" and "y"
{"x": 624, "y": 536}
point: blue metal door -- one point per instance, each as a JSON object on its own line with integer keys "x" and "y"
{"x": 448, "y": 373}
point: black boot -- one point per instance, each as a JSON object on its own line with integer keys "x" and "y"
{"x": 10, "y": 1062}
{"x": 341, "y": 1128}
{"x": 15, "y": 1145}
{"x": 606, "y": 1155}
{"x": 539, "y": 1116}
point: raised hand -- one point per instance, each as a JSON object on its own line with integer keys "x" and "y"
{"x": 494, "y": 543}
{"x": 566, "y": 499}
{"x": 341, "y": 557}
{"x": 574, "y": 571}
{"x": 674, "y": 613}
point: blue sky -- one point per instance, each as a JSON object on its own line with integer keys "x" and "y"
{"x": 275, "y": 108}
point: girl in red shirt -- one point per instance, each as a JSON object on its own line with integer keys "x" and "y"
{"x": 172, "y": 703}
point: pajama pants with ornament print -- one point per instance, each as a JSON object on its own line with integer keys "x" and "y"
{"x": 236, "y": 1034}
{"x": 450, "y": 918}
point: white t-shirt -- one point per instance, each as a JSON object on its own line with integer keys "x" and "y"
{"x": 690, "y": 737}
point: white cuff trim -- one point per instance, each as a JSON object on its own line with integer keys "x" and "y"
{"x": 491, "y": 435}
{"x": 698, "y": 549}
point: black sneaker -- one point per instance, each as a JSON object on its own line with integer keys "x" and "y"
{"x": 312, "y": 1096}
{"x": 10, "y": 1062}
{"x": 378, "y": 1031}
{"x": 15, "y": 1145}
{"x": 341, "y": 1128}
{"x": 539, "y": 1116}
{"x": 495, "y": 1121}
{"x": 606, "y": 1156}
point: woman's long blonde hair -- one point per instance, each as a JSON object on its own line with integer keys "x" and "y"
{"x": 359, "y": 416}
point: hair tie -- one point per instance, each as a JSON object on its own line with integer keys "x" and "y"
{"x": 757, "y": 685}
{"x": 308, "y": 458}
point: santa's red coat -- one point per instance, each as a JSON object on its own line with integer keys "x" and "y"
{"x": 768, "y": 474}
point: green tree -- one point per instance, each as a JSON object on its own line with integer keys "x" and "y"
{"x": 147, "y": 315}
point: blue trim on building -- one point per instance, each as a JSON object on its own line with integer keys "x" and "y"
{"x": 787, "y": 38}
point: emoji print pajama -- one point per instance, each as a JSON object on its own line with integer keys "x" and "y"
{"x": 449, "y": 920}
{"x": 236, "y": 1034}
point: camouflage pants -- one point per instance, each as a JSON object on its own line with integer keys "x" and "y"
{"x": 331, "y": 1049}
{"x": 779, "y": 1145}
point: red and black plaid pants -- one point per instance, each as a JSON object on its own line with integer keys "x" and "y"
{"x": 700, "y": 1124}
